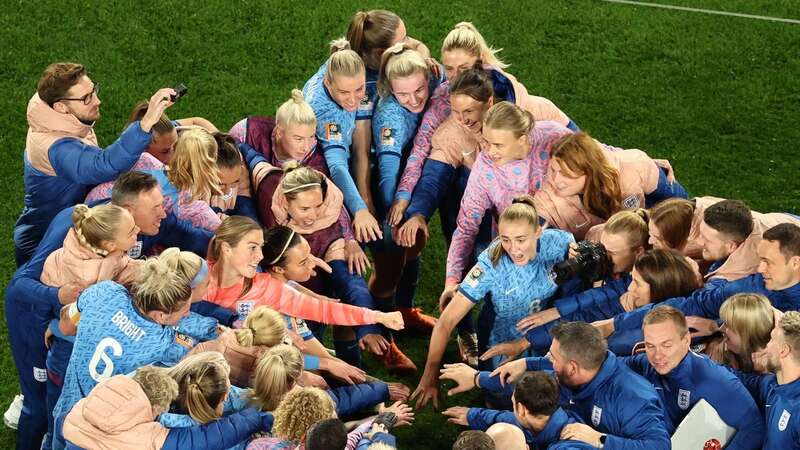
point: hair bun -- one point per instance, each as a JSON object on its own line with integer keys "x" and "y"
{"x": 297, "y": 96}
{"x": 290, "y": 165}
{"x": 339, "y": 45}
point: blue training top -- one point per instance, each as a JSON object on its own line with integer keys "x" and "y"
{"x": 393, "y": 131}
{"x": 517, "y": 291}
{"x": 115, "y": 338}
{"x": 335, "y": 127}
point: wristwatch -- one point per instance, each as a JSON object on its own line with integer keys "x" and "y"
{"x": 602, "y": 440}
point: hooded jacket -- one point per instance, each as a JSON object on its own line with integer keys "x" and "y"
{"x": 61, "y": 160}
{"x": 76, "y": 262}
{"x": 638, "y": 176}
{"x": 117, "y": 415}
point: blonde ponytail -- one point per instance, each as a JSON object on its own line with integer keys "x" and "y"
{"x": 398, "y": 61}
{"x": 202, "y": 384}
{"x": 343, "y": 61}
{"x": 263, "y": 326}
{"x": 276, "y": 373}
{"x": 94, "y": 226}
{"x": 161, "y": 286}
{"x": 464, "y": 36}
{"x": 510, "y": 117}
{"x": 194, "y": 166}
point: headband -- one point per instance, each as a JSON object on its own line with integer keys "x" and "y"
{"x": 297, "y": 188}
{"x": 202, "y": 274}
{"x": 285, "y": 246}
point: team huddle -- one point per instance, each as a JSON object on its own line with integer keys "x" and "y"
{"x": 173, "y": 288}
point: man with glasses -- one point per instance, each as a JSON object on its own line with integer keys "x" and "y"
{"x": 62, "y": 157}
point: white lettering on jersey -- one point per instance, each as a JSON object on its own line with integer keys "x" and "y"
{"x": 127, "y": 327}
{"x": 100, "y": 354}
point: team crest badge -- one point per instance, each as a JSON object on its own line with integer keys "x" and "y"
{"x": 684, "y": 397}
{"x": 631, "y": 202}
{"x": 136, "y": 251}
{"x": 784, "y": 420}
{"x": 244, "y": 307}
{"x": 333, "y": 132}
{"x": 387, "y": 136}
{"x": 474, "y": 276}
{"x": 597, "y": 414}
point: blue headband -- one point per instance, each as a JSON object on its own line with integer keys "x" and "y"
{"x": 202, "y": 274}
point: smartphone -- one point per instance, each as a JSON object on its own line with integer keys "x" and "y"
{"x": 180, "y": 91}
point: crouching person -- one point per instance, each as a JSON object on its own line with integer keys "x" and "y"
{"x": 120, "y": 413}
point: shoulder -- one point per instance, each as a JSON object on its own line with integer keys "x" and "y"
{"x": 631, "y": 386}
{"x": 107, "y": 293}
{"x": 387, "y": 111}
{"x": 555, "y": 243}
{"x": 107, "y": 288}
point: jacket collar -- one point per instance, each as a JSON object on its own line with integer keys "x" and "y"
{"x": 552, "y": 431}
{"x": 604, "y": 374}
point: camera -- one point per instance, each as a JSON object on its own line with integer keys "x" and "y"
{"x": 590, "y": 264}
{"x": 180, "y": 91}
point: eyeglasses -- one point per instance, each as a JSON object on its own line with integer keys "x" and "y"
{"x": 86, "y": 99}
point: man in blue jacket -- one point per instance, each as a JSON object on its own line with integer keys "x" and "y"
{"x": 623, "y": 408}
{"x": 778, "y": 279}
{"x": 30, "y": 305}
{"x": 778, "y": 394}
{"x": 536, "y": 411}
{"x": 62, "y": 157}
{"x": 682, "y": 378}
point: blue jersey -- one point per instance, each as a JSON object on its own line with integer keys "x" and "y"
{"x": 516, "y": 291}
{"x": 335, "y": 127}
{"x": 393, "y": 131}
{"x": 698, "y": 377}
{"x": 114, "y": 338}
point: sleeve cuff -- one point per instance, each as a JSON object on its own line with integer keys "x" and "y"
{"x": 310, "y": 362}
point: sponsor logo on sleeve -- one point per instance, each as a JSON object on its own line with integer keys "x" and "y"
{"x": 333, "y": 132}
{"x": 387, "y": 136}
{"x": 474, "y": 276}
{"x": 185, "y": 340}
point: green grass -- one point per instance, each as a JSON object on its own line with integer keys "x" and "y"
{"x": 716, "y": 95}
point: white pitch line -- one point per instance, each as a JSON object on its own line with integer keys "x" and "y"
{"x": 706, "y": 11}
